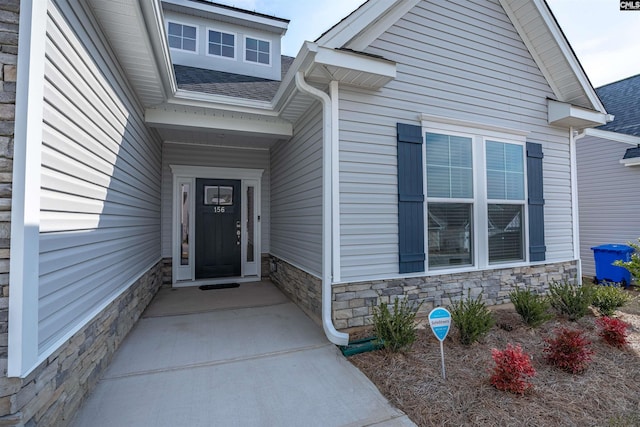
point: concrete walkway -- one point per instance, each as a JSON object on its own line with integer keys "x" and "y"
{"x": 232, "y": 357}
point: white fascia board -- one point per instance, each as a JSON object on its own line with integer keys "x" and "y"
{"x": 270, "y": 24}
{"x": 566, "y": 115}
{"x": 25, "y": 207}
{"x": 358, "y": 21}
{"x": 354, "y": 61}
{"x": 224, "y": 121}
{"x": 376, "y": 28}
{"x": 151, "y": 13}
{"x": 303, "y": 61}
{"x": 230, "y": 103}
{"x": 613, "y": 136}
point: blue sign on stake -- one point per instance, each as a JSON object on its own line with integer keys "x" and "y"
{"x": 440, "y": 322}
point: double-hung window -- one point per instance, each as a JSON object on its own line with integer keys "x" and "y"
{"x": 505, "y": 201}
{"x": 450, "y": 200}
{"x": 258, "y": 51}
{"x": 476, "y": 196}
{"x": 183, "y": 37}
{"x": 221, "y": 44}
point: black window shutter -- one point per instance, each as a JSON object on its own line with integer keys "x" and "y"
{"x": 537, "y": 248}
{"x": 410, "y": 199}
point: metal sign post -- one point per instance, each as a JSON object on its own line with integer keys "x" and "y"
{"x": 440, "y": 322}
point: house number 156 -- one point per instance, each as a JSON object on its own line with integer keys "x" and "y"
{"x": 218, "y": 209}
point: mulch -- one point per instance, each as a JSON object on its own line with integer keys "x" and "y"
{"x": 606, "y": 394}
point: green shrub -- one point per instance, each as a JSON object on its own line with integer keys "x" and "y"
{"x": 608, "y": 298}
{"x": 634, "y": 265}
{"x": 533, "y": 308}
{"x": 396, "y": 331}
{"x": 472, "y": 318}
{"x": 570, "y": 300}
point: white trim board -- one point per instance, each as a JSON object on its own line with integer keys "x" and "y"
{"x": 25, "y": 211}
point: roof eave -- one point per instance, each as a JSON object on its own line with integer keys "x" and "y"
{"x": 540, "y": 14}
{"x": 565, "y": 115}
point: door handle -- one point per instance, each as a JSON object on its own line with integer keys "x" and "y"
{"x": 238, "y": 233}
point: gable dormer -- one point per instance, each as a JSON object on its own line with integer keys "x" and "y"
{"x": 217, "y": 37}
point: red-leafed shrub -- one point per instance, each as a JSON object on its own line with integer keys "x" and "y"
{"x": 568, "y": 350}
{"x": 613, "y": 331}
{"x": 512, "y": 370}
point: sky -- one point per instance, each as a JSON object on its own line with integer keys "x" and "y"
{"x": 605, "y": 39}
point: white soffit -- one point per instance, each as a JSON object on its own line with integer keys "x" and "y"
{"x": 566, "y": 115}
{"x": 549, "y": 48}
{"x": 123, "y": 23}
{"x": 351, "y": 68}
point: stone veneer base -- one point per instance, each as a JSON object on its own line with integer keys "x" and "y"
{"x": 353, "y": 302}
{"x": 52, "y": 393}
{"x": 301, "y": 287}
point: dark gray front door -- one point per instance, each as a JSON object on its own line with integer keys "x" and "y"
{"x": 218, "y": 248}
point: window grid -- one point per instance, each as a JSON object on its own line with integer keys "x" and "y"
{"x": 183, "y": 37}
{"x": 222, "y": 44}
{"x": 258, "y": 51}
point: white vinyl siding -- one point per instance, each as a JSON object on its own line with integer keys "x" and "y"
{"x": 296, "y": 195}
{"x": 462, "y": 60}
{"x": 100, "y": 197}
{"x": 200, "y": 155}
{"x": 608, "y": 197}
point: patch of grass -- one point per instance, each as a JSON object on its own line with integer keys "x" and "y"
{"x": 472, "y": 318}
{"x": 533, "y": 308}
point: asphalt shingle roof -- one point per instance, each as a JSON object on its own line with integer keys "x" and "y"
{"x": 622, "y": 99}
{"x": 229, "y": 84}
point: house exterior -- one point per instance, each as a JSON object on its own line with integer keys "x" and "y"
{"x": 608, "y": 160}
{"x": 417, "y": 149}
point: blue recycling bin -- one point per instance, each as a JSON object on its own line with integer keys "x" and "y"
{"x": 604, "y": 256}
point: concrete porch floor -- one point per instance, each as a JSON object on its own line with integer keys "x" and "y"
{"x": 244, "y": 356}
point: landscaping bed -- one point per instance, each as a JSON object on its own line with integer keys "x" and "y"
{"x": 607, "y": 393}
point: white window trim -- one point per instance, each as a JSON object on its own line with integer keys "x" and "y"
{"x": 244, "y": 51}
{"x": 197, "y": 27}
{"x": 479, "y": 133}
{"x": 235, "y": 44}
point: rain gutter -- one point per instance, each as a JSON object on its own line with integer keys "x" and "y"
{"x": 330, "y": 143}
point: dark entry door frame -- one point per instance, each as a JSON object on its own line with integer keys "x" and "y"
{"x": 187, "y": 238}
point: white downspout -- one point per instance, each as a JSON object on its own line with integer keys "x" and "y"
{"x": 573, "y": 137}
{"x": 329, "y": 143}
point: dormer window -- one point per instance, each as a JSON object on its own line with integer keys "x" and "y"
{"x": 183, "y": 37}
{"x": 222, "y": 44}
{"x": 258, "y": 51}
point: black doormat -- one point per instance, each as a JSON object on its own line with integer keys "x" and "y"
{"x": 219, "y": 286}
